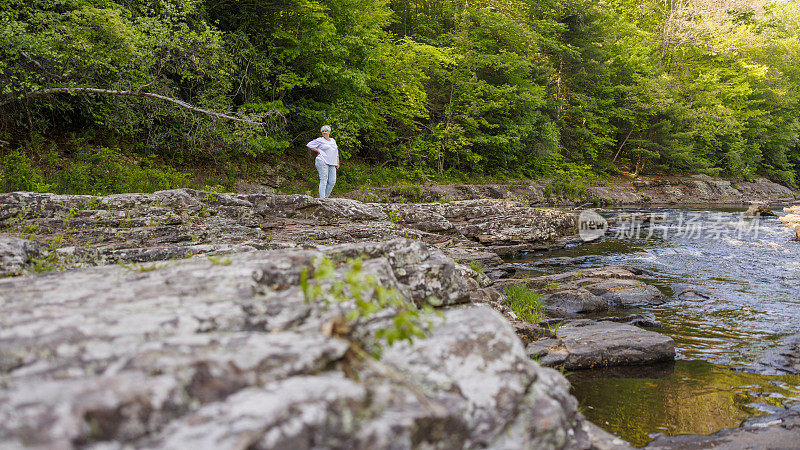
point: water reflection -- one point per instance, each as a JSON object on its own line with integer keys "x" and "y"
{"x": 688, "y": 397}
{"x": 743, "y": 279}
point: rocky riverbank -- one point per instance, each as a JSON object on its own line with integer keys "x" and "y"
{"x": 580, "y": 343}
{"x": 649, "y": 191}
{"x": 228, "y": 354}
{"x": 74, "y": 230}
{"x": 141, "y": 231}
{"x": 186, "y": 318}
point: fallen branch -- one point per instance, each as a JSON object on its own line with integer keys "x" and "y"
{"x": 181, "y": 103}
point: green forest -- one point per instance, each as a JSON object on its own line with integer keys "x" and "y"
{"x": 103, "y": 96}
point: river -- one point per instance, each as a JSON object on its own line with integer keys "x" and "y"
{"x": 736, "y": 288}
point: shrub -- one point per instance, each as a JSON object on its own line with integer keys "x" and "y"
{"x": 566, "y": 188}
{"x": 107, "y": 171}
{"x": 19, "y": 174}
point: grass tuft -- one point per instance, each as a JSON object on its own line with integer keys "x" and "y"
{"x": 526, "y": 303}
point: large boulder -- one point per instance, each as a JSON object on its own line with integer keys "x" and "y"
{"x": 229, "y": 353}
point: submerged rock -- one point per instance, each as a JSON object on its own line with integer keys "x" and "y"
{"x": 689, "y": 293}
{"x": 775, "y": 431}
{"x": 643, "y": 320}
{"x": 783, "y": 359}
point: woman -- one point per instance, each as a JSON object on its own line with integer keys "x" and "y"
{"x": 327, "y": 160}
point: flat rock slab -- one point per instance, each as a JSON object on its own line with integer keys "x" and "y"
{"x": 597, "y": 289}
{"x": 625, "y": 293}
{"x": 177, "y": 223}
{"x": 775, "y": 431}
{"x": 572, "y": 301}
{"x": 586, "y": 344}
{"x": 783, "y": 359}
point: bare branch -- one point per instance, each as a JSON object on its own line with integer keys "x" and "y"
{"x": 620, "y": 148}
{"x": 241, "y": 83}
{"x": 146, "y": 85}
{"x": 181, "y": 103}
{"x": 39, "y": 65}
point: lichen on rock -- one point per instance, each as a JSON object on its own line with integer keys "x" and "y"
{"x": 231, "y": 356}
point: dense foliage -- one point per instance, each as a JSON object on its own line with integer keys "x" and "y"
{"x": 431, "y": 88}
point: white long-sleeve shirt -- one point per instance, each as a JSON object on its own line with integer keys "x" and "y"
{"x": 328, "y": 150}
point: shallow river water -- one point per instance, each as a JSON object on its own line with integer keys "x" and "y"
{"x": 741, "y": 283}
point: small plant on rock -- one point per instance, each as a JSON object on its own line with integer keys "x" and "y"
{"x": 140, "y": 267}
{"x": 71, "y": 215}
{"x": 93, "y": 204}
{"x": 49, "y": 261}
{"x": 218, "y": 260}
{"x": 395, "y": 216}
{"x": 525, "y": 303}
{"x": 556, "y": 326}
{"x": 371, "y": 302}
{"x": 477, "y": 266}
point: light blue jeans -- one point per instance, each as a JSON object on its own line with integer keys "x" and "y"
{"x": 327, "y": 177}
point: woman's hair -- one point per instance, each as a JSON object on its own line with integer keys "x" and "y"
{"x": 325, "y": 128}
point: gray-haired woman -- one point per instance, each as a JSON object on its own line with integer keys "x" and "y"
{"x": 327, "y": 160}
